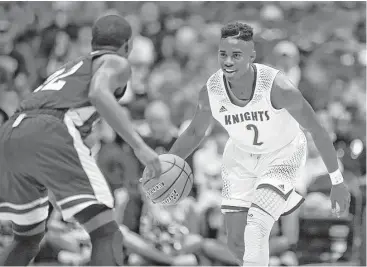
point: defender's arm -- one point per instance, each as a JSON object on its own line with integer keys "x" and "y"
{"x": 190, "y": 139}
{"x": 113, "y": 73}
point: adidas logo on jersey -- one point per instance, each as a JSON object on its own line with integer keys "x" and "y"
{"x": 281, "y": 186}
{"x": 223, "y": 109}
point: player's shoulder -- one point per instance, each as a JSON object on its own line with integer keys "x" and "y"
{"x": 282, "y": 82}
{"x": 214, "y": 76}
{"x": 265, "y": 67}
{"x": 284, "y": 94}
{"x": 280, "y": 78}
{"x": 112, "y": 62}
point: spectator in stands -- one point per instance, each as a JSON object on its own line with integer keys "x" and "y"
{"x": 158, "y": 132}
{"x": 287, "y": 59}
{"x": 165, "y": 69}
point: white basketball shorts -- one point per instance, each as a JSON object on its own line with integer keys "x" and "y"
{"x": 243, "y": 173}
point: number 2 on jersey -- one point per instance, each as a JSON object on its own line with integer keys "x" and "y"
{"x": 256, "y": 134}
{"x": 54, "y": 82}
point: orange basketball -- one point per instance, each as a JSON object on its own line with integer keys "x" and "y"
{"x": 174, "y": 184}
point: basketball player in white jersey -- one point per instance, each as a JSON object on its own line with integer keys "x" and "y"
{"x": 262, "y": 112}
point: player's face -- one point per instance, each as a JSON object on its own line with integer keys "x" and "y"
{"x": 235, "y": 57}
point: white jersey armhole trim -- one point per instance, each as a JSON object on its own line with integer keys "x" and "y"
{"x": 268, "y": 95}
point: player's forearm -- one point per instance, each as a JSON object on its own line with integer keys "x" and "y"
{"x": 326, "y": 148}
{"x": 112, "y": 112}
{"x": 188, "y": 141}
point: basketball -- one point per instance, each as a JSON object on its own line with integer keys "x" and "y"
{"x": 174, "y": 184}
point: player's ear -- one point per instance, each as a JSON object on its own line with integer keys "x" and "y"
{"x": 128, "y": 46}
{"x": 253, "y": 56}
{"x": 124, "y": 49}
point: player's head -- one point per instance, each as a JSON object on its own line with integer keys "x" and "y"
{"x": 236, "y": 49}
{"x": 112, "y": 32}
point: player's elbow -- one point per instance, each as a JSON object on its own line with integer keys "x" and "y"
{"x": 196, "y": 132}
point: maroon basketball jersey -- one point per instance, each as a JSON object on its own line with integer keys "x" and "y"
{"x": 67, "y": 89}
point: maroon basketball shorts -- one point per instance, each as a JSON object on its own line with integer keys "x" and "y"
{"x": 45, "y": 154}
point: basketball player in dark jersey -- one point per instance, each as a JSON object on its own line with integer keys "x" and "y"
{"x": 43, "y": 149}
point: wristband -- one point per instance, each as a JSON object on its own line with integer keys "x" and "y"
{"x": 336, "y": 177}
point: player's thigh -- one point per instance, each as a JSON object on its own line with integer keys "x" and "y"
{"x": 238, "y": 181}
{"x": 71, "y": 173}
{"x": 287, "y": 163}
{"x": 278, "y": 177}
{"x": 235, "y": 227}
{"x": 32, "y": 231}
{"x": 22, "y": 199}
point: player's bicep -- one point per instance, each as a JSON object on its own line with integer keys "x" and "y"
{"x": 203, "y": 115}
{"x": 286, "y": 95}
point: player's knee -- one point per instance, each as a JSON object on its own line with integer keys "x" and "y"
{"x": 260, "y": 222}
{"x": 237, "y": 249}
{"x": 94, "y": 217}
{"x": 108, "y": 237}
{"x": 257, "y": 232}
{"x": 32, "y": 234}
{"x": 236, "y": 244}
{"x": 31, "y": 242}
{"x": 270, "y": 201}
{"x": 235, "y": 224}
{"x": 104, "y": 233}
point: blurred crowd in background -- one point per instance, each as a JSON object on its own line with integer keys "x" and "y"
{"x": 320, "y": 45}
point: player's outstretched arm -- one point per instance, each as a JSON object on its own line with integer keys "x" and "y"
{"x": 286, "y": 95}
{"x": 113, "y": 73}
{"x": 190, "y": 139}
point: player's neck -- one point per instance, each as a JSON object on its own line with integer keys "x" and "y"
{"x": 105, "y": 48}
{"x": 243, "y": 87}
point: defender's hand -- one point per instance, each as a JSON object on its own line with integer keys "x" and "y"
{"x": 150, "y": 159}
{"x": 339, "y": 194}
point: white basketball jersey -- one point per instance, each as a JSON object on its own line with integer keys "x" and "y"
{"x": 258, "y": 127}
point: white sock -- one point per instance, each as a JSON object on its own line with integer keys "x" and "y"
{"x": 257, "y": 232}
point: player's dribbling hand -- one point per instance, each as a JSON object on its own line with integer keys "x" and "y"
{"x": 339, "y": 195}
{"x": 150, "y": 159}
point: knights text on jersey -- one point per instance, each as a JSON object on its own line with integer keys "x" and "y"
{"x": 257, "y": 127}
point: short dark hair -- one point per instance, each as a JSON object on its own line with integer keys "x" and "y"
{"x": 110, "y": 30}
{"x": 237, "y": 30}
